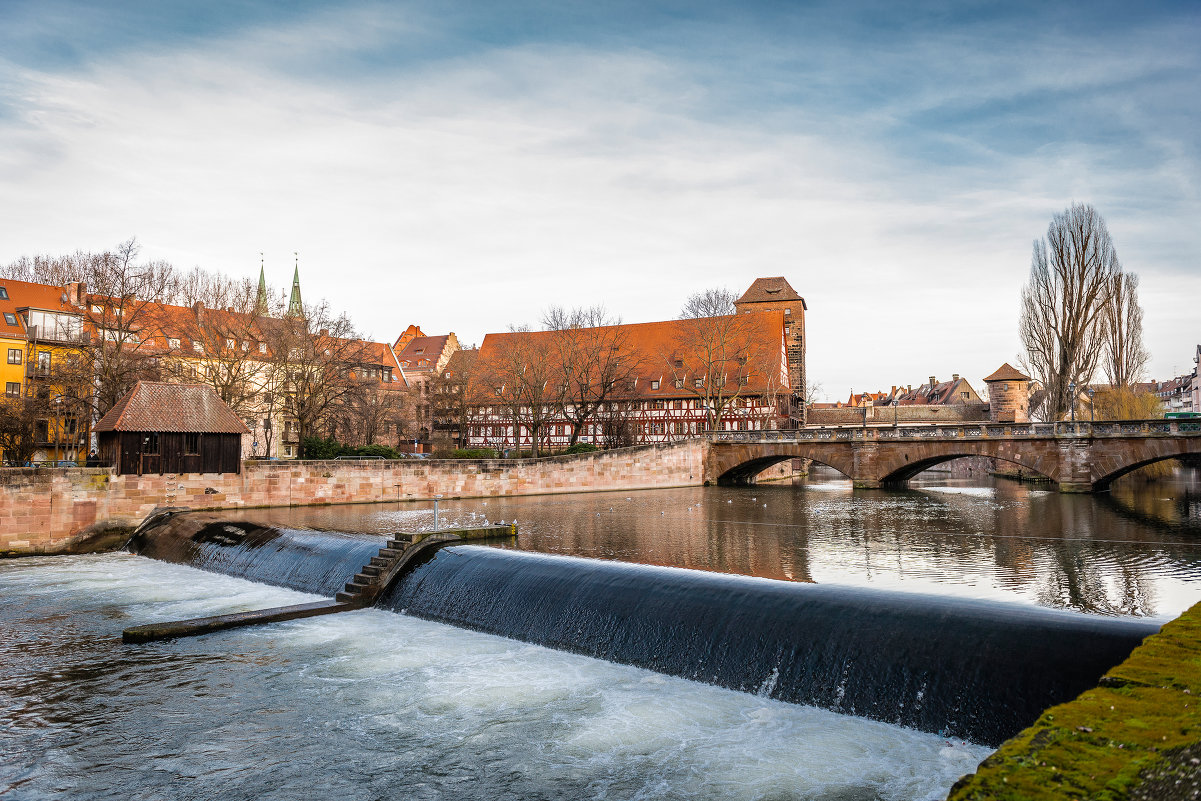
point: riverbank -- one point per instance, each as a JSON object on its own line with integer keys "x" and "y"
{"x": 1136, "y": 736}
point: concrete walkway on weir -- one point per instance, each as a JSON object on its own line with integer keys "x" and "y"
{"x": 401, "y": 553}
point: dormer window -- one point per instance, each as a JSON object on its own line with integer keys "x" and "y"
{"x": 174, "y": 343}
{"x": 787, "y": 311}
{"x": 96, "y": 309}
{"x": 262, "y": 347}
{"x": 654, "y": 384}
{"x": 3, "y": 293}
{"x": 10, "y": 318}
{"x": 419, "y": 351}
{"x": 198, "y": 347}
{"x": 229, "y": 344}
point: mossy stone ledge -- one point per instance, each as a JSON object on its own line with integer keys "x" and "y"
{"x": 1136, "y": 736}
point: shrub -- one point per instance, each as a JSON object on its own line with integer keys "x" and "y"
{"x": 318, "y": 448}
{"x": 582, "y": 447}
{"x": 473, "y": 453}
{"x": 377, "y": 450}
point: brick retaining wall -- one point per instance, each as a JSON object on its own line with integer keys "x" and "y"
{"x": 42, "y": 509}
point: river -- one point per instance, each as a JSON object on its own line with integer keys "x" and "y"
{"x": 375, "y": 704}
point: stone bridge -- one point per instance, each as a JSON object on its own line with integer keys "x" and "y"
{"x": 1079, "y": 457}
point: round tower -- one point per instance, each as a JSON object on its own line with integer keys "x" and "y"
{"x": 1008, "y": 395}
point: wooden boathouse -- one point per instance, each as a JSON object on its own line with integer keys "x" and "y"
{"x": 171, "y": 428}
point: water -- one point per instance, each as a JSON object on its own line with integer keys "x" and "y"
{"x": 1133, "y": 552}
{"x": 375, "y": 704}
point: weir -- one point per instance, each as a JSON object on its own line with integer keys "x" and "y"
{"x": 969, "y": 669}
{"x": 210, "y": 540}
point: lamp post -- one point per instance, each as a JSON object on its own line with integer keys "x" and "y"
{"x": 1092, "y": 409}
{"x": 1072, "y": 398}
{"x": 895, "y": 403}
{"x": 436, "y": 499}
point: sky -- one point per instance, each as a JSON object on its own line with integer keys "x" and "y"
{"x": 465, "y": 165}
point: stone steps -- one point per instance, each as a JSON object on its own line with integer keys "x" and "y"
{"x": 360, "y": 586}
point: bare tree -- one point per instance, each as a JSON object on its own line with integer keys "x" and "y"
{"x": 1125, "y": 357}
{"x": 715, "y": 302}
{"x": 517, "y": 375}
{"x": 595, "y": 357}
{"x": 19, "y": 418}
{"x": 1063, "y": 321}
{"x": 313, "y": 356}
{"x": 713, "y": 358}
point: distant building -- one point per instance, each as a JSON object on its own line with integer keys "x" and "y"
{"x": 776, "y": 294}
{"x": 1177, "y": 393}
{"x": 956, "y": 392}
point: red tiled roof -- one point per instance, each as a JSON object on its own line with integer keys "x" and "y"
{"x": 22, "y": 294}
{"x": 461, "y": 361}
{"x": 655, "y": 346}
{"x": 1007, "y": 372}
{"x": 769, "y": 289}
{"x": 157, "y": 406}
{"x": 430, "y": 351}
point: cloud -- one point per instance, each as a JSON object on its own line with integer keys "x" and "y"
{"x": 466, "y": 184}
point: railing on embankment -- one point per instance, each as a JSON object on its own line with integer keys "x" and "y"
{"x": 969, "y": 431}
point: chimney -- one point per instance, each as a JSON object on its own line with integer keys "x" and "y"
{"x": 198, "y": 310}
{"x": 933, "y": 381}
{"x": 954, "y": 376}
{"x": 76, "y": 292}
{"x": 324, "y": 332}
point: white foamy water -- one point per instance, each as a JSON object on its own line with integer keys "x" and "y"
{"x": 370, "y": 704}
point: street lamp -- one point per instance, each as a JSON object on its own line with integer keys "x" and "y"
{"x": 1072, "y": 398}
{"x": 895, "y": 403}
{"x": 1092, "y": 416}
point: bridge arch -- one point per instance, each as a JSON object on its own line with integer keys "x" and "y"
{"x": 1113, "y": 465}
{"x": 914, "y": 467}
{"x": 740, "y": 463}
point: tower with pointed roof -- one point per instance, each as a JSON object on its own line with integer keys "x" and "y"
{"x": 772, "y": 294}
{"x": 295, "y": 306}
{"x": 260, "y": 301}
{"x": 1008, "y": 395}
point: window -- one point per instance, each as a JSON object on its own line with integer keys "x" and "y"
{"x": 788, "y": 311}
{"x": 229, "y": 344}
{"x": 191, "y": 444}
{"x": 679, "y": 383}
{"x": 43, "y": 361}
{"x": 10, "y": 318}
{"x": 3, "y": 293}
{"x": 245, "y": 346}
{"x": 14, "y": 355}
{"x": 654, "y": 385}
{"x": 198, "y": 347}
{"x": 742, "y": 379}
{"x": 96, "y": 309}
{"x": 262, "y": 347}
{"x": 174, "y": 343}
{"x": 963, "y": 395}
{"x": 12, "y": 389}
{"x": 150, "y": 444}
{"x": 698, "y": 382}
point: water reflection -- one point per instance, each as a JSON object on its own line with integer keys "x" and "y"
{"x": 1136, "y": 551}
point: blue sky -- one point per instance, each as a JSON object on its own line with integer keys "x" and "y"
{"x": 464, "y": 165}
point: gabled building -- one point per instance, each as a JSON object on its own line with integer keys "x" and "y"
{"x": 171, "y": 428}
{"x": 660, "y": 382}
{"x": 956, "y": 392}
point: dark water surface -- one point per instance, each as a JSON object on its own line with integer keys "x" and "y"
{"x": 1135, "y": 551}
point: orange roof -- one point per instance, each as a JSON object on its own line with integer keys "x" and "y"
{"x": 421, "y": 349}
{"x": 23, "y": 294}
{"x": 1006, "y": 372}
{"x": 159, "y": 406}
{"x": 770, "y": 289}
{"x": 661, "y": 350}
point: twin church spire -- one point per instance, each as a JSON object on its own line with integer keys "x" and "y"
{"x": 295, "y": 304}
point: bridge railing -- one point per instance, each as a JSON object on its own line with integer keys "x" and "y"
{"x": 969, "y": 431}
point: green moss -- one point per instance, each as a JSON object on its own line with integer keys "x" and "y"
{"x": 1102, "y": 744}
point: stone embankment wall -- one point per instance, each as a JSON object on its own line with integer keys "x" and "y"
{"x": 52, "y": 510}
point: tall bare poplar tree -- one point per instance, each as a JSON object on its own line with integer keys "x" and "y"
{"x": 1125, "y": 356}
{"x": 1063, "y": 322}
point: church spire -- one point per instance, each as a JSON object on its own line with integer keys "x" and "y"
{"x": 295, "y": 306}
{"x": 260, "y": 302}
